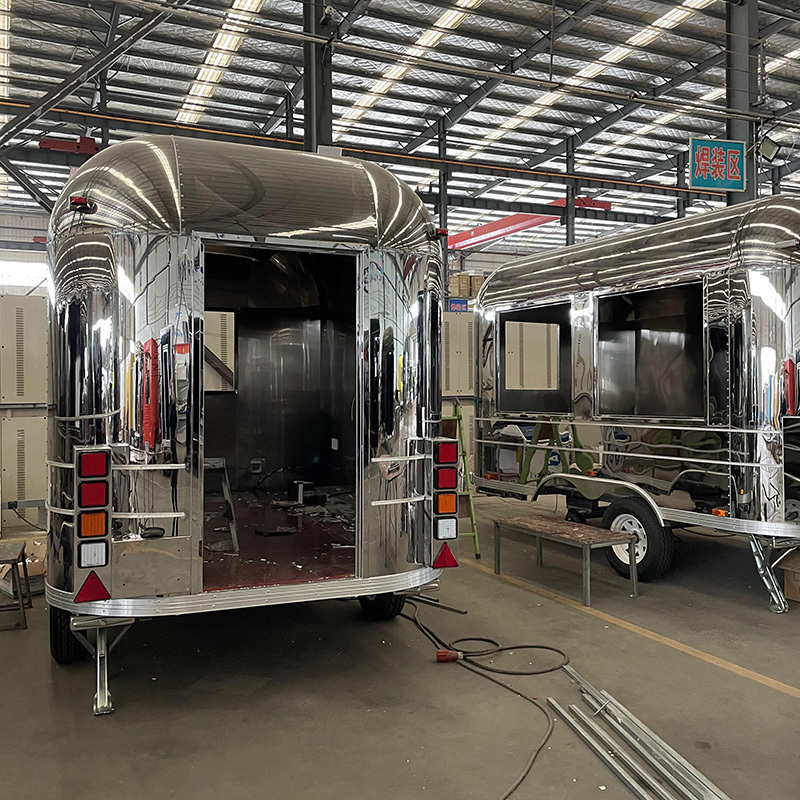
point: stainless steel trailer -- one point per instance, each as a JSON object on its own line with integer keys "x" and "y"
{"x": 652, "y": 378}
{"x": 266, "y": 317}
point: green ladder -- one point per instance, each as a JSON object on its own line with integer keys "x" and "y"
{"x": 466, "y": 486}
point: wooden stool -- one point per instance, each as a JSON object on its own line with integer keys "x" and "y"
{"x": 13, "y": 553}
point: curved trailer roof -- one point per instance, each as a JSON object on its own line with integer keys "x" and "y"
{"x": 763, "y": 232}
{"x": 183, "y": 185}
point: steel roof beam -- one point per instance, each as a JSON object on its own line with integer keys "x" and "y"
{"x": 589, "y": 132}
{"x": 342, "y": 29}
{"x": 516, "y": 207}
{"x": 472, "y": 100}
{"x": 107, "y": 56}
{"x": 30, "y": 185}
{"x": 149, "y": 126}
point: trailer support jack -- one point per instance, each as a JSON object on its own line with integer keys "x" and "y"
{"x": 100, "y": 649}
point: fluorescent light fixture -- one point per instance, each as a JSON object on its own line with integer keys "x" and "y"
{"x": 218, "y": 59}
{"x": 446, "y": 22}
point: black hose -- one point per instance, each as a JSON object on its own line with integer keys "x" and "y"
{"x": 468, "y": 660}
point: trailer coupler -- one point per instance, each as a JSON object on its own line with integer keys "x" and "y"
{"x": 100, "y": 649}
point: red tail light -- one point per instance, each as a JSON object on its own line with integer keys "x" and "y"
{"x": 445, "y": 452}
{"x": 445, "y": 558}
{"x": 93, "y": 465}
{"x": 92, "y": 589}
{"x": 93, "y": 494}
{"x": 446, "y": 478}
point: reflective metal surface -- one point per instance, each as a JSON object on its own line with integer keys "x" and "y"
{"x": 128, "y": 290}
{"x": 243, "y": 598}
{"x": 184, "y": 185}
{"x": 686, "y": 340}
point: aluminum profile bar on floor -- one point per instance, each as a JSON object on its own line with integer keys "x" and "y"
{"x": 107, "y": 56}
{"x": 601, "y": 752}
{"x": 676, "y": 763}
{"x": 621, "y": 755}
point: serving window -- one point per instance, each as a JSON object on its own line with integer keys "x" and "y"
{"x": 650, "y": 353}
{"x": 535, "y": 354}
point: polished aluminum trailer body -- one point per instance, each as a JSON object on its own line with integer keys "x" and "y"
{"x": 675, "y": 374}
{"x": 127, "y": 245}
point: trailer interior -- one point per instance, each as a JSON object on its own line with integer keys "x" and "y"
{"x": 279, "y": 417}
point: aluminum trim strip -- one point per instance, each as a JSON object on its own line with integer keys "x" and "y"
{"x": 87, "y": 416}
{"x": 399, "y": 501}
{"x": 607, "y": 423}
{"x": 148, "y": 515}
{"x": 749, "y": 527}
{"x": 503, "y": 486}
{"x": 243, "y": 598}
{"x": 69, "y": 512}
{"x": 622, "y": 453}
{"x": 128, "y": 467}
{"x": 389, "y": 459}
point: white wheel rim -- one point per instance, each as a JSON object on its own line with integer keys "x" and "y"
{"x": 627, "y": 523}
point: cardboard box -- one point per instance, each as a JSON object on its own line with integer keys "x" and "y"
{"x": 35, "y": 551}
{"x": 475, "y": 283}
{"x": 452, "y": 286}
{"x": 463, "y": 285}
{"x": 791, "y": 576}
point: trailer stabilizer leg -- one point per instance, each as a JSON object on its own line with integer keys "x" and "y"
{"x": 100, "y": 650}
{"x": 777, "y": 599}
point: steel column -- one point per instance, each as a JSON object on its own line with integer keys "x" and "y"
{"x": 775, "y": 175}
{"x": 442, "y": 202}
{"x": 572, "y": 193}
{"x": 741, "y": 76}
{"x": 289, "y": 106}
{"x": 317, "y": 97}
{"x": 682, "y": 160}
{"x": 296, "y": 92}
{"x": 107, "y": 56}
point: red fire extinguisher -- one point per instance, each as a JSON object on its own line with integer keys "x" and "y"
{"x": 151, "y": 433}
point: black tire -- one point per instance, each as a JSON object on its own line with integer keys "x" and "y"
{"x": 381, "y": 607}
{"x": 659, "y": 542}
{"x": 64, "y": 647}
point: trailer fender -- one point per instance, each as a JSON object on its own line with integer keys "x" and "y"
{"x": 593, "y": 488}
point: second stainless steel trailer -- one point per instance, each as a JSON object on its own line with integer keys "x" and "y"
{"x": 246, "y": 407}
{"x": 652, "y": 378}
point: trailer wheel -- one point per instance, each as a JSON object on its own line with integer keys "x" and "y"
{"x": 64, "y": 647}
{"x": 382, "y": 606}
{"x": 654, "y": 546}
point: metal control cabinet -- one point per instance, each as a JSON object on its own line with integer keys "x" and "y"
{"x": 23, "y": 405}
{"x": 458, "y": 354}
{"x": 23, "y": 349}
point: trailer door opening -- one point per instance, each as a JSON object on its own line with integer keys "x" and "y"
{"x": 280, "y": 417}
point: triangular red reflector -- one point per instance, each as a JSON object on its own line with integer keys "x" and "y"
{"x": 445, "y": 558}
{"x": 92, "y": 589}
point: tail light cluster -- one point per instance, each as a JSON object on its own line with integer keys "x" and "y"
{"x": 445, "y": 484}
{"x": 93, "y": 501}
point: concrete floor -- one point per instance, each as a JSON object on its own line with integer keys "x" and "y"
{"x": 313, "y": 701}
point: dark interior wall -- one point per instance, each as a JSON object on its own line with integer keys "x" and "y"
{"x": 294, "y": 404}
